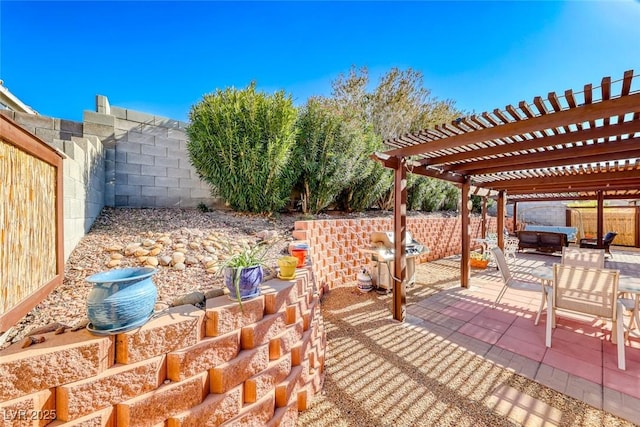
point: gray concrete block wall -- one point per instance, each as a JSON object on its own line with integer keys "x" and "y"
{"x": 542, "y": 213}
{"x": 83, "y": 171}
{"x": 121, "y": 158}
{"x": 151, "y": 166}
{"x": 84, "y": 187}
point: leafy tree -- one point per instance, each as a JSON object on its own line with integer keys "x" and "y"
{"x": 329, "y": 153}
{"x": 399, "y": 104}
{"x": 241, "y": 143}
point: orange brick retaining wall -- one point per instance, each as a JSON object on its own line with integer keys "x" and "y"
{"x": 334, "y": 244}
{"x": 187, "y": 367}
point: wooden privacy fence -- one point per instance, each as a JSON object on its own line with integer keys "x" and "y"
{"x": 621, "y": 220}
{"x": 31, "y": 234}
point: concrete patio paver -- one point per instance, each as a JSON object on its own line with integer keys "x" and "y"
{"x": 581, "y": 362}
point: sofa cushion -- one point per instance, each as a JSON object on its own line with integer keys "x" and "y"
{"x": 530, "y": 237}
{"x": 551, "y": 239}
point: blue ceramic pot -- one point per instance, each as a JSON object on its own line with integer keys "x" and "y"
{"x": 121, "y": 299}
{"x": 249, "y": 281}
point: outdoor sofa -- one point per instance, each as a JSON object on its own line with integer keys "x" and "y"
{"x": 542, "y": 241}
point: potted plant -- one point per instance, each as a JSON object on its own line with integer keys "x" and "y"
{"x": 478, "y": 260}
{"x": 243, "y": 272}
{"x": 287, "y": 266}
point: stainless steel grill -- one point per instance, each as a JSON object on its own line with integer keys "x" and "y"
{"x": 382, "y": 252}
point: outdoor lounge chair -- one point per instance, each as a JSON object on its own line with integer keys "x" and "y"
{"x": 583, "y": 257}
{"x": 508, "y": 280}
{"x": 606, "y": 243}
{"x": 589, "y": 291}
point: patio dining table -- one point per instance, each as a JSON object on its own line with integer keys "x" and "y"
{"x": 628, "y": 285}
{"x": 545, "y": 275}
{"x": 631, "y": 285}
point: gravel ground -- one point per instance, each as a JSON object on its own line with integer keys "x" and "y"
{"x": 188, "y": 228}
{"x": 383, "y": 373}
{"x": 378, "y": 372}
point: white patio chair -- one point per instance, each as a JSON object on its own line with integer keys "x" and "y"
{"x": 507, "y": 278}
{"x": 581, "y": 257}
{"x": 491, "y": 242}
{"x": 590, "y": 291}
{"x": 510, "y": 248}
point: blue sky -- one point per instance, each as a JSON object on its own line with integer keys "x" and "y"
{"x": 162, "y": 57}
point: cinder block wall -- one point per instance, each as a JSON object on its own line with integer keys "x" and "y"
{"x": 151, "y": 166}
{"x": 334, "y": 244}
{"x": 121, "y": 158}
{"x": 188, "y": 367}
{"x": 83, "y": 171}
{"x": 543, "y": 213}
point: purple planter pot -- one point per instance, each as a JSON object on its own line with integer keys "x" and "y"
{"x": 249, "y": 280}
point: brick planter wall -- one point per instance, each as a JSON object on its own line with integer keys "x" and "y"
{"x": 187, "y": 367}
{"x": 334, "y": 244}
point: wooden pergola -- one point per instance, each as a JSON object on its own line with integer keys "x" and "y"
{"x": 580, "y": 145}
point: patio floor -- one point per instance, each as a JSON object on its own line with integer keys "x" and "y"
{"x": 581, "y": 362}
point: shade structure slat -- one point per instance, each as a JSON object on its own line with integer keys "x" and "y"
{"x": 554, "y": 138}
{"x": 513, "y": 112}
{"x": 626, "y": 88}
{"x": 554, "y": 101}
{"x": 588, "y": 93}
{"x": 475, "y": 119}
{"x": 588, "y": 99}
{"x": 526, "y": 109}
{"x": 626, "y": 83}
{"x": 555, "y": 104}
{"x": 571, "y": 100}
{"x": 606, "y": 88}
{"x": 467, "y": 122}
{"x": 606, "y": 93}
{"x": 500, "y": 115}
{"x": 539, "y": 103}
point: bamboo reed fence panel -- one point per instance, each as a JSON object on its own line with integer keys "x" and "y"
{"x": 28, "y": 235}
{"x": 620, "y": 220}
{"x": 31, "y": 221}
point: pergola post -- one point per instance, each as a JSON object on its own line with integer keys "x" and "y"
{"x": 465, "y": 268}
{"x": 399, "y": 229}
{"x": 484, "y": 217}
{"x": 600, "y": 218}
{"x": 501, "y": 211}
{"x": 515, "y": 217}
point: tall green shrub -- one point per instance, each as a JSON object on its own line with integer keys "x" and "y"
{"x": 370, "y": 189}
{"x": 329, "y": 153}
{"x": 241, "y": 143}
{"x": 429, "y": 195}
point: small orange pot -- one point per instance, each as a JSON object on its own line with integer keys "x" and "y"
{"x": 301, "y": 254}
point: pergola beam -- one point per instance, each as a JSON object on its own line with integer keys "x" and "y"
{"x": 538, "y": 143}
{"x": 630, "y": 176}
{"x": 517, "y": 199}
{"x": 583, "y": 188}
{"x": 594, "y": 153}
{"x": 581, "y": 114}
